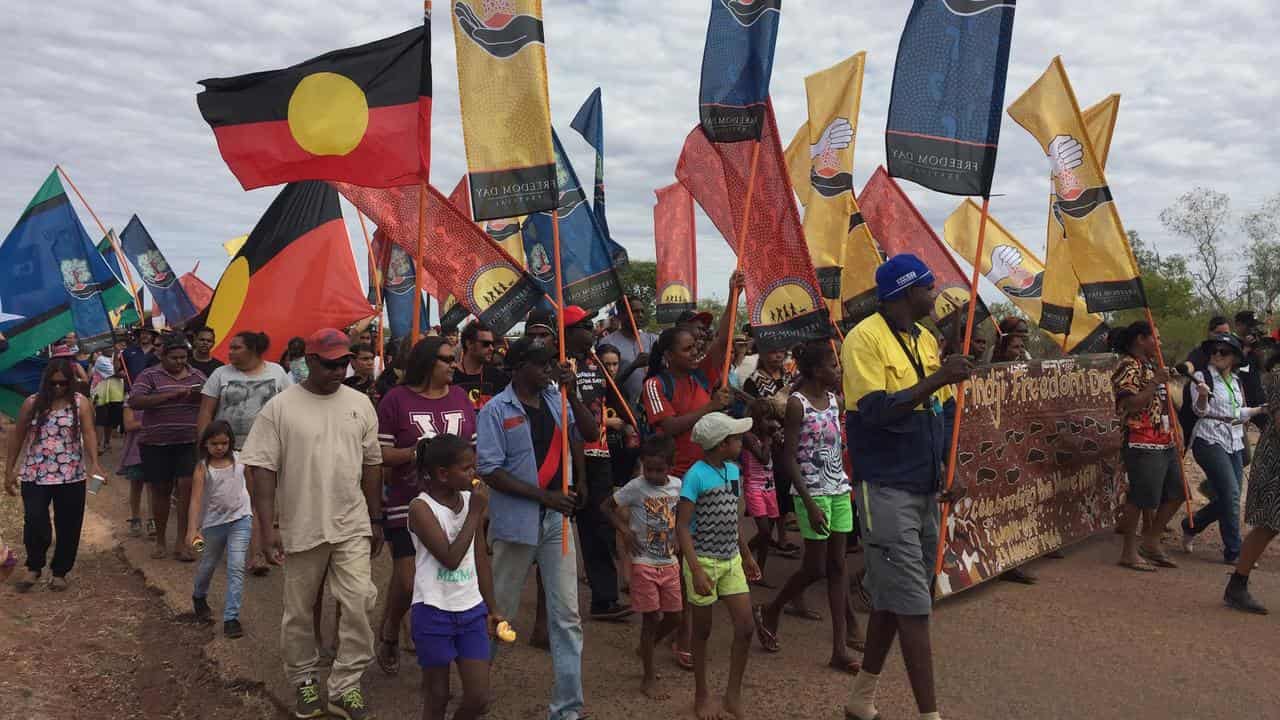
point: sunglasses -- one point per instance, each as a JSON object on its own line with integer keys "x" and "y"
{"x": 1221, "y": 350}
{"x": 446, "y": 359}
{"x": 58, "y": 383}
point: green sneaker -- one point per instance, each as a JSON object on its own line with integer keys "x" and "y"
{"x": 309, "y": 703}
{"x": 350, "y": 706}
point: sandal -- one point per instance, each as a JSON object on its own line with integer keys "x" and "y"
{"x": 683, "y": 658}
{"x": 159, "y": 553}
{"x": 850, "y": 666}
{"x": 1157, "y": 557}
{"x": 803, "y": 613}
{"x": 1140, "y": 566}
{"x": 57, "y": 584}
{"x": 25, "y": 584}
{"x": 768, "y": 638}
{"x": 389, "y": 661}
{"x": 856, "y": 645}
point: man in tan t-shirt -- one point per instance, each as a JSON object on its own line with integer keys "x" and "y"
{"x": 317, "y": 445}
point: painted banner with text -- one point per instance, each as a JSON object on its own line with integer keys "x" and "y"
{"x": 1040, "y": 455}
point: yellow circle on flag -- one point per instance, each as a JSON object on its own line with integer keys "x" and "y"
{"x": 785, "y": 302}
{"x": 492, "y": 285}
{"x": 228, "y": 300}
{"x": 675, "y": 294}
{"x": 328, "y": 114}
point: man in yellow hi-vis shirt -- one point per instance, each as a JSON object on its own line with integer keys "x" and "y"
{"x": 900, "y": 406}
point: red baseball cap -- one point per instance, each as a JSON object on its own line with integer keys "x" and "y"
{"x": 330, "y": 344}
{"x": 574, "y": 315}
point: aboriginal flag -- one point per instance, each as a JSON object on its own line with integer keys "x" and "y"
{"x": 359, "y": 115}
{"x": 294, "y": 275}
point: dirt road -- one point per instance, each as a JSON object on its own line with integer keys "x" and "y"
{"x": 1091, "y": 640}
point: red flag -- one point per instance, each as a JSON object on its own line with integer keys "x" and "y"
{"x": 783, "y": 302}
{"x": 457, "y": 254}
{"x": 900, "y": 228}
{"x": 676, "y": 244}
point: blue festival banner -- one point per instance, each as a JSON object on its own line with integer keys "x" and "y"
{"x": 33, "y": 298}
{"x": 589, "y": 122}
{"x": 88, "y": 313}
{"x": 590, "y": 280}
{"x": 948, "y": 94}
{"x": 398, "y": 281}
{"x": 159, "y": 277}
{"x": 736, "y": 64}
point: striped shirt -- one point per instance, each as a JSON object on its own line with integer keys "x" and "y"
{"x": 404, "y": 417}
{"x": 714, "y": 494}
{"x": 172, "y": 422}
{"x": 1221, "y": 422}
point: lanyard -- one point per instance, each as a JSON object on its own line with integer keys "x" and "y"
{"x": 1231, "y": 393}
{"x": 912, "y": 357}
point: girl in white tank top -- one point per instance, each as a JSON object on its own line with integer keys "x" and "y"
{"x": 453, "y": 582}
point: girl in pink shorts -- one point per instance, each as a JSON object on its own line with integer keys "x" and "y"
{"x": 757, "y": 480}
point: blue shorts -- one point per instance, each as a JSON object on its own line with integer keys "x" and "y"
{"x": 441, "y": 637}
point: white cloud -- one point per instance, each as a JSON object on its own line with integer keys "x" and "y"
{"x": 108, "y": 89}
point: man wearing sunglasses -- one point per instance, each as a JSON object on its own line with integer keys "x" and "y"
{"x": 316, "y": 444}
{"x": 476, "y": 372}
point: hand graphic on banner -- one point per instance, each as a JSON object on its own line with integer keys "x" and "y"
{"x": 1066, "y": 154}
{"x": 1004, "y": 260}
{"x": 837, "y": 136}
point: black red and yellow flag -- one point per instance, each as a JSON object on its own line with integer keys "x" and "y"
{"x": 360, "y": 115}
{"x": 298, "y": 257}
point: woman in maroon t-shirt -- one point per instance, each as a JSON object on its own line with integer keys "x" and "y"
{"x": 424, "y": 404}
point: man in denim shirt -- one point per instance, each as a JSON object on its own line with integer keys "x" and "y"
{"x": 520, "y": 457}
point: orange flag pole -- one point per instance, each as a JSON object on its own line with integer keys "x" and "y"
{"x": 564, "y": 392}
{"x": 632, "y": 319}
{"x": 111, "y": 238}
{"x": 626, "y": 406}
{"x": 742, "y": 237}
{"x": 377, "y": 270}
{"x": 964, "y": 350}
{"x": 416, "y": 332}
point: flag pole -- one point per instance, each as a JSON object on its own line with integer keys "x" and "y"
{"x": 416, "y": 331}
{"x": 742, "y": 237}
{"x": 564, "y": 392}
{"x": 378, "y": 272}
{"x": 111, "y": 238}
{"x": 964, "y": 350}
{"x": 626, "y": 406}
{"x": 626, "y": 302}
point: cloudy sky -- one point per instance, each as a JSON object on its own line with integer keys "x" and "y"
{"x": 108, "y": 90}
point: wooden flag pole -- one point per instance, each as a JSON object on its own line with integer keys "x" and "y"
{"x": 115, "y": 246}
{"x": 964, "y": 350}
{"x": 742, "y": 237}
{"x": 632, "y": 319}
{"x": 564, "y": 392}
{"x": 416, "y": 331}
{"x": 378, "y": 272}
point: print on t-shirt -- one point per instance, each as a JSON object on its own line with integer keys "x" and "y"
{"x": 241, "y": 402}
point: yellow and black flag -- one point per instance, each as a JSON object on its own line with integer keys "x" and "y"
{"x": 360, "y": 115}
{"x": 1019, "y": 274}
{"x": 1096, "y": 240}
{"x": 506, "y": 115}
{"x": 297, "y": 258}
{"x": 1061, "y": 286}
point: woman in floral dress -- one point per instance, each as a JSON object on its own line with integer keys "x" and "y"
{"x": 58, "y": 423}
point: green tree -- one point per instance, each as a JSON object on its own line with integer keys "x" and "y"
{"x": 1179, "y": 313}
{"x": 640, "y": 279}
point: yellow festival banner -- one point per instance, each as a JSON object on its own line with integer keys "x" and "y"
{"x": 1083, "y": 205}
{"x": 506, "y": 116}
{"x": 1018, "y": 273}
{"x": 1061, "y": 287}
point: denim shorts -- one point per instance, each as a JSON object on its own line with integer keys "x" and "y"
{"x": 441, "y": 637}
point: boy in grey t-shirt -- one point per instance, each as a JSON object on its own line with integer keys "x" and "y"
{"x": 644, "y": 513}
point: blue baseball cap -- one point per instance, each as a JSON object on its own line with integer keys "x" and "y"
{"x": 900, "y": 273}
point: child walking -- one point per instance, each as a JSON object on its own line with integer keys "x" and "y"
{"x": 812, "y": 455}
{"x": 644, "y": 513}
{"x": 452, "y": 581}
{"x": 717, "y": 563}
{"x": 222, "y": 520}
{"x": 757, "y": 480}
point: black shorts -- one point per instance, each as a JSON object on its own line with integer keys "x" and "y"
{"x": 400, "y": 542}
{"x": 1154, "y": 478}
{"x": 166, "y": 463}
{"x": 110, "y": 415}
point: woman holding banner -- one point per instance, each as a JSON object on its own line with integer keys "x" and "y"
{"x": 1155, "y": 484}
